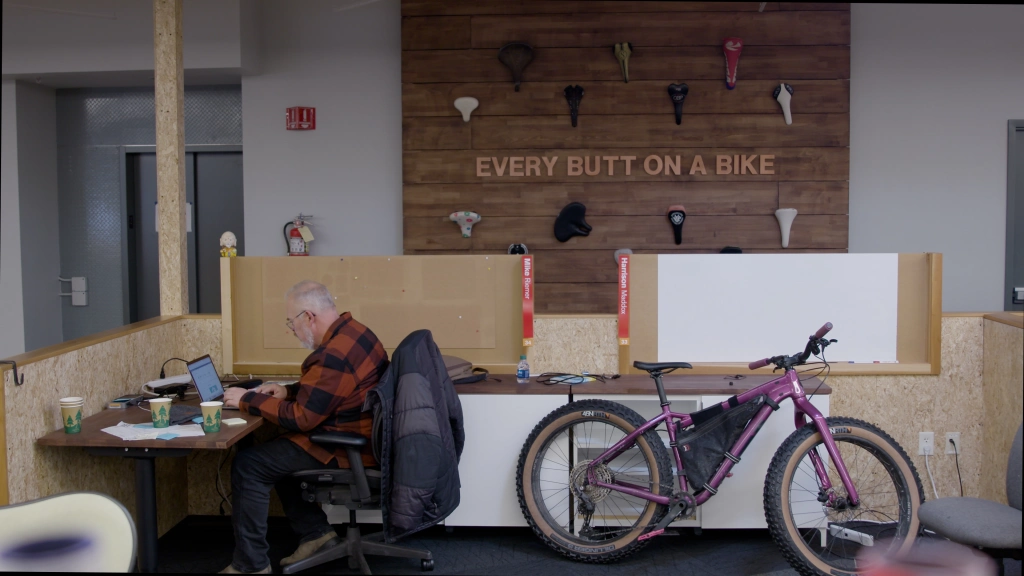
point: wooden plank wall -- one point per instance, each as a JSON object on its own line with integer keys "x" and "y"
{"x": 449, "y": 49}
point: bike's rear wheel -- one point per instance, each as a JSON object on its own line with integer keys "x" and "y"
{"x": 587, "y": 523}
{"x": 818, "y": 538}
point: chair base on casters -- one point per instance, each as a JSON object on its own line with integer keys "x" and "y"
{"x": 355, "y": 546}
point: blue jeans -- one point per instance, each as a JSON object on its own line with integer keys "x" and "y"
{"x": 254, "y": 473}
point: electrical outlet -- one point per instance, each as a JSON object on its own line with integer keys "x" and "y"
{"x": 955, "y": 437}
{"x": 926, "y": 443}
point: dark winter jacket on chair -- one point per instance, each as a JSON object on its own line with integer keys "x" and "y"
{"x": 421, "y": 438}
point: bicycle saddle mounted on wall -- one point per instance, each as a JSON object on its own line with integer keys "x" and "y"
{"x": 516, "y": 55}
{"x": 571, "y": 222}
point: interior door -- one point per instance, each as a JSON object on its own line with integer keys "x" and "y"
{"x": 1014, "y": 295}
{"x": 213, "y": 192}
{"x": 144, "y": 283}
{"x": 218, "y": 209}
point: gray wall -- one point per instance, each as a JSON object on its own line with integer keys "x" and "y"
{"x": 931, "y": 90}
{"x": 40, "y": 232}
{"x": 12, "y": 333}
{"x": 348, "y": 172}
{"x": 92, "y": 125}
{"x": 106, "y": 35}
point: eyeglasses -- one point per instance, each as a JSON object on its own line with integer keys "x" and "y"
{"x": 290, "y": 323}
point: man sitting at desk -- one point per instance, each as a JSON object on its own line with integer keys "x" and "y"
{"x": 347, "y": 362}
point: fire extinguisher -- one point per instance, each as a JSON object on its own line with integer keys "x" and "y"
{"x": 298, "y": 236}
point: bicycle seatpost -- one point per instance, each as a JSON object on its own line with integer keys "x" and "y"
{"x": 661, "y": 388}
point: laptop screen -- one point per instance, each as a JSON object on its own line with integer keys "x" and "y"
{"x": 204, "y": 374}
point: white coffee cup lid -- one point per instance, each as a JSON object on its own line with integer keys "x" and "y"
{"x": 72, "y": 400}
{"x": 211, "y": 403}
{"x": 159, "y": 400}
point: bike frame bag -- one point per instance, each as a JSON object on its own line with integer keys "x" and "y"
{"x": 703, "y": 446}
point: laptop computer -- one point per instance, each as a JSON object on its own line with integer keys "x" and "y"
{"x": 207, "y": 382}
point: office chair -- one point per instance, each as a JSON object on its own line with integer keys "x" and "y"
{"x": 355, "y": 489}
{"x": 992, "y": 527}
{"x": 73, "y": 532}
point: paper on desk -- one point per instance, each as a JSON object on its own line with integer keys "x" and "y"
{"x": 126, "y": 431}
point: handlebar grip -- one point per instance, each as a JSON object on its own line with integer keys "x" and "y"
{"x": 823, "y": 330}
{"x": 758, "y": 363}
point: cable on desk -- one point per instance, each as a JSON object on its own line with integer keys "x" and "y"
{"x": 162, "y": 366}
{"x": 550, "y": 378}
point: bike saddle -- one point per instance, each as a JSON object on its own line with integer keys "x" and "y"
{"x": 659, "y": 366}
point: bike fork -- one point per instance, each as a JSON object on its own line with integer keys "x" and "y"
{"x": 821, "y": 424}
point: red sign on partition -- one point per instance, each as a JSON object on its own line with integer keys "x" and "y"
{"x": 623, "y": 300}
{"x": 300, "y": 118}
{"x": 527, "y": 300}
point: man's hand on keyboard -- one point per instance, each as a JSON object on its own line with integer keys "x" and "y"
{"x": 275, "y": 390}
{"x": 233, "y": 395}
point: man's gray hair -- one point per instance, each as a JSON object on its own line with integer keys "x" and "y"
{"x": 312, "y": 296}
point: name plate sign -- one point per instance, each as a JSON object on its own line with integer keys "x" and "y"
{"x": 653, "y": 165}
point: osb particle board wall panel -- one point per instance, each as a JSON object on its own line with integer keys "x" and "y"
{"x": 470, "y": 303}
{"x": 449, "y": 50}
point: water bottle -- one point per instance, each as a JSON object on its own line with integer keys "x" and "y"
{"x": 523, "y": 370}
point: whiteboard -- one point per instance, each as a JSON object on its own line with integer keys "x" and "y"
{"x": 742, "y": 307}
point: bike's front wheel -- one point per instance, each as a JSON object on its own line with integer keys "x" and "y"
{"x": 582, "y": 521}
{"x": 819, "y": 531}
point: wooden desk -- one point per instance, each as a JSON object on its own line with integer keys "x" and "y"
{"x": 145, "y": 453}
{"x": 675, "y": 384}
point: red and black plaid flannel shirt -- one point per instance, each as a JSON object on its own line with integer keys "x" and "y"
{"x": 330, "y": 394}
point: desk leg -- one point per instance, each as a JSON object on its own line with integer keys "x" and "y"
{"x": 145, "y": 509}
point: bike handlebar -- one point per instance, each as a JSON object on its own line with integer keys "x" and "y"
{"x": 823, "y": 330}
{"x": 759, "y": 363}
{"x": 812, "y": 346}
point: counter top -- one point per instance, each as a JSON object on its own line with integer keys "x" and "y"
{"x": 683, "y": 385}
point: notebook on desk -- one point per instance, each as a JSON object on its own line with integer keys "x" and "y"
{"x": 208, "y": 383}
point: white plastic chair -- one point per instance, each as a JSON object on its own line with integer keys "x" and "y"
{"x": 74, "y": 532}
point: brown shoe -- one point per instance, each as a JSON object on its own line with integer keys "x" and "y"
{"x": 232, "y": 570}
{"x": 310, "y": 547}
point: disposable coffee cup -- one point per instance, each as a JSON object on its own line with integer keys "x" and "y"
{"x": 211, "y": 416}
{"x": 161, "y": 409}
{"x": 71, "y": 416}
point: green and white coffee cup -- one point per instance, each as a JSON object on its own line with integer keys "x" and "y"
{"x": 161, "y": 409}
{"x": 211, "y": 416}
{"x": 71, "y": 414}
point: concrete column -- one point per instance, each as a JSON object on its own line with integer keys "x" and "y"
{"x": 170, "y": 156}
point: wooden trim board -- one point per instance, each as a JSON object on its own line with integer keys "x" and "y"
{"x": 226, "y": 318}
{"x": 91, "y": 340}
{"x": 1014, "y": 319}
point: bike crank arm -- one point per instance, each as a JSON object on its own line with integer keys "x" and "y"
{"x": 679, "y": 506}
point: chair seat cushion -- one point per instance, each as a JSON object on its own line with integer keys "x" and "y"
{"x": 973, "y": 521}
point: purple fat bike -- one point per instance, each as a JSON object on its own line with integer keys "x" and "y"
{"x": 595, "y": 480}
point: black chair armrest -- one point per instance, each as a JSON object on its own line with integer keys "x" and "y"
{"x": 338, "y": 439}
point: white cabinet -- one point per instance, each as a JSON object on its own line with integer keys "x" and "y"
{"x": 648, "y": 406}
{"x": 740, "y": 499}
{"x": 496, "y": 429}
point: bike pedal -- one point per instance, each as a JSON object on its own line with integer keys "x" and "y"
{"x": 651, "y": 534}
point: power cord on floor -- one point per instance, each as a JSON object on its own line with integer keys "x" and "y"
{"x": 930, "y": 477}
{"x": 956, "y": 454}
